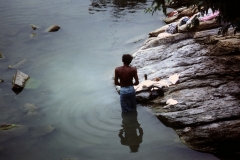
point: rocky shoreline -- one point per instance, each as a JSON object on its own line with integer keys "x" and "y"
{"x": 207, "y": 115}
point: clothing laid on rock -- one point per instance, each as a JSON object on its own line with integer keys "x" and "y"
{"x": 156, "y": 91}
{"x": 209, "y": 16}
{"x": 128, "y": 99}
{"x": 193, "y": 21}
{"x": 183, "y": 20}
{"x": 172, "y": 28}
{"x": 173, "y": 13}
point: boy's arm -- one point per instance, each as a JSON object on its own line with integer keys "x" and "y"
{"x": 116, "y": 77}
{"x": 136, "y": 78}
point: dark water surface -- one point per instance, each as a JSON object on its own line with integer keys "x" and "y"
{"x": 75, "y": 94}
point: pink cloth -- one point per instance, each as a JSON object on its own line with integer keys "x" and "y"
{"x": 173, "y": 13}
{"x": 209, "y": 17}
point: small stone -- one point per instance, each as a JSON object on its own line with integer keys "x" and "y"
{"x": 33, "y": 26}
{"x": 187, "y": 129}
{"x": 54, "y": 28}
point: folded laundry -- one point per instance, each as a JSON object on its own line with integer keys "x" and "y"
{"x": 172, "y": 28}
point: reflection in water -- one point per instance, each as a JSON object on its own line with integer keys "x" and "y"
{"x": 119, "y": 7}
{"x": 128, "y": 133}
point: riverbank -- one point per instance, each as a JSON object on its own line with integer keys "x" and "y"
{"x": 207, "y": 114}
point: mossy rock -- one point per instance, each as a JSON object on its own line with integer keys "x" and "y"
{"x": 7, "y": 126}
{"x": 1, "y": 55}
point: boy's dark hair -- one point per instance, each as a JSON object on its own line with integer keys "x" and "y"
{"x": 127, "y": 59}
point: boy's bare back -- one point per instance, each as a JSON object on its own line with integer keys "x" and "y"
{"x": 126, "y": 74}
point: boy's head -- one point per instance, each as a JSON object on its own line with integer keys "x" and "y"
{"x": 127, "y": 59}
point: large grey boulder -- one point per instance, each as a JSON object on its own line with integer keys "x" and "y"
{"x": 207, "y": 115}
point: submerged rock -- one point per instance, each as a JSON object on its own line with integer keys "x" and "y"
{"x": 16, "y": 131}
{"x": 29, "y": 107}
{"x": 41, "y": 130}
{"x": 1, "y": 55}
{"x": 7, "y": 126}
{"x": 33, "y": 83}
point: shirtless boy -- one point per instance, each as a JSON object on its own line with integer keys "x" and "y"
{"x": 126, "y": 74}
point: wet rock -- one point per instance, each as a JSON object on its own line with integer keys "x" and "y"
{"x": 95, "y": 4}
{"x": 34, "y": 27}
{"x": 54, "y": 28}
{"x": 1, "y": 55}
{"x": 207, "y": 114}
{"x": 29, "y": 107}
{"x": 33, "y": 34}
{"x": 19, "y": 80}
{"x": 17, "y": 131}
{"x": 7, "y": 126}
{"x": 225, "y": 133}
{"x": 32, "y": 114}
{"x": 143, "y": 96}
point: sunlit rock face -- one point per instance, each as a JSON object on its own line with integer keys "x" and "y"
{"x": 207, "y": 113}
